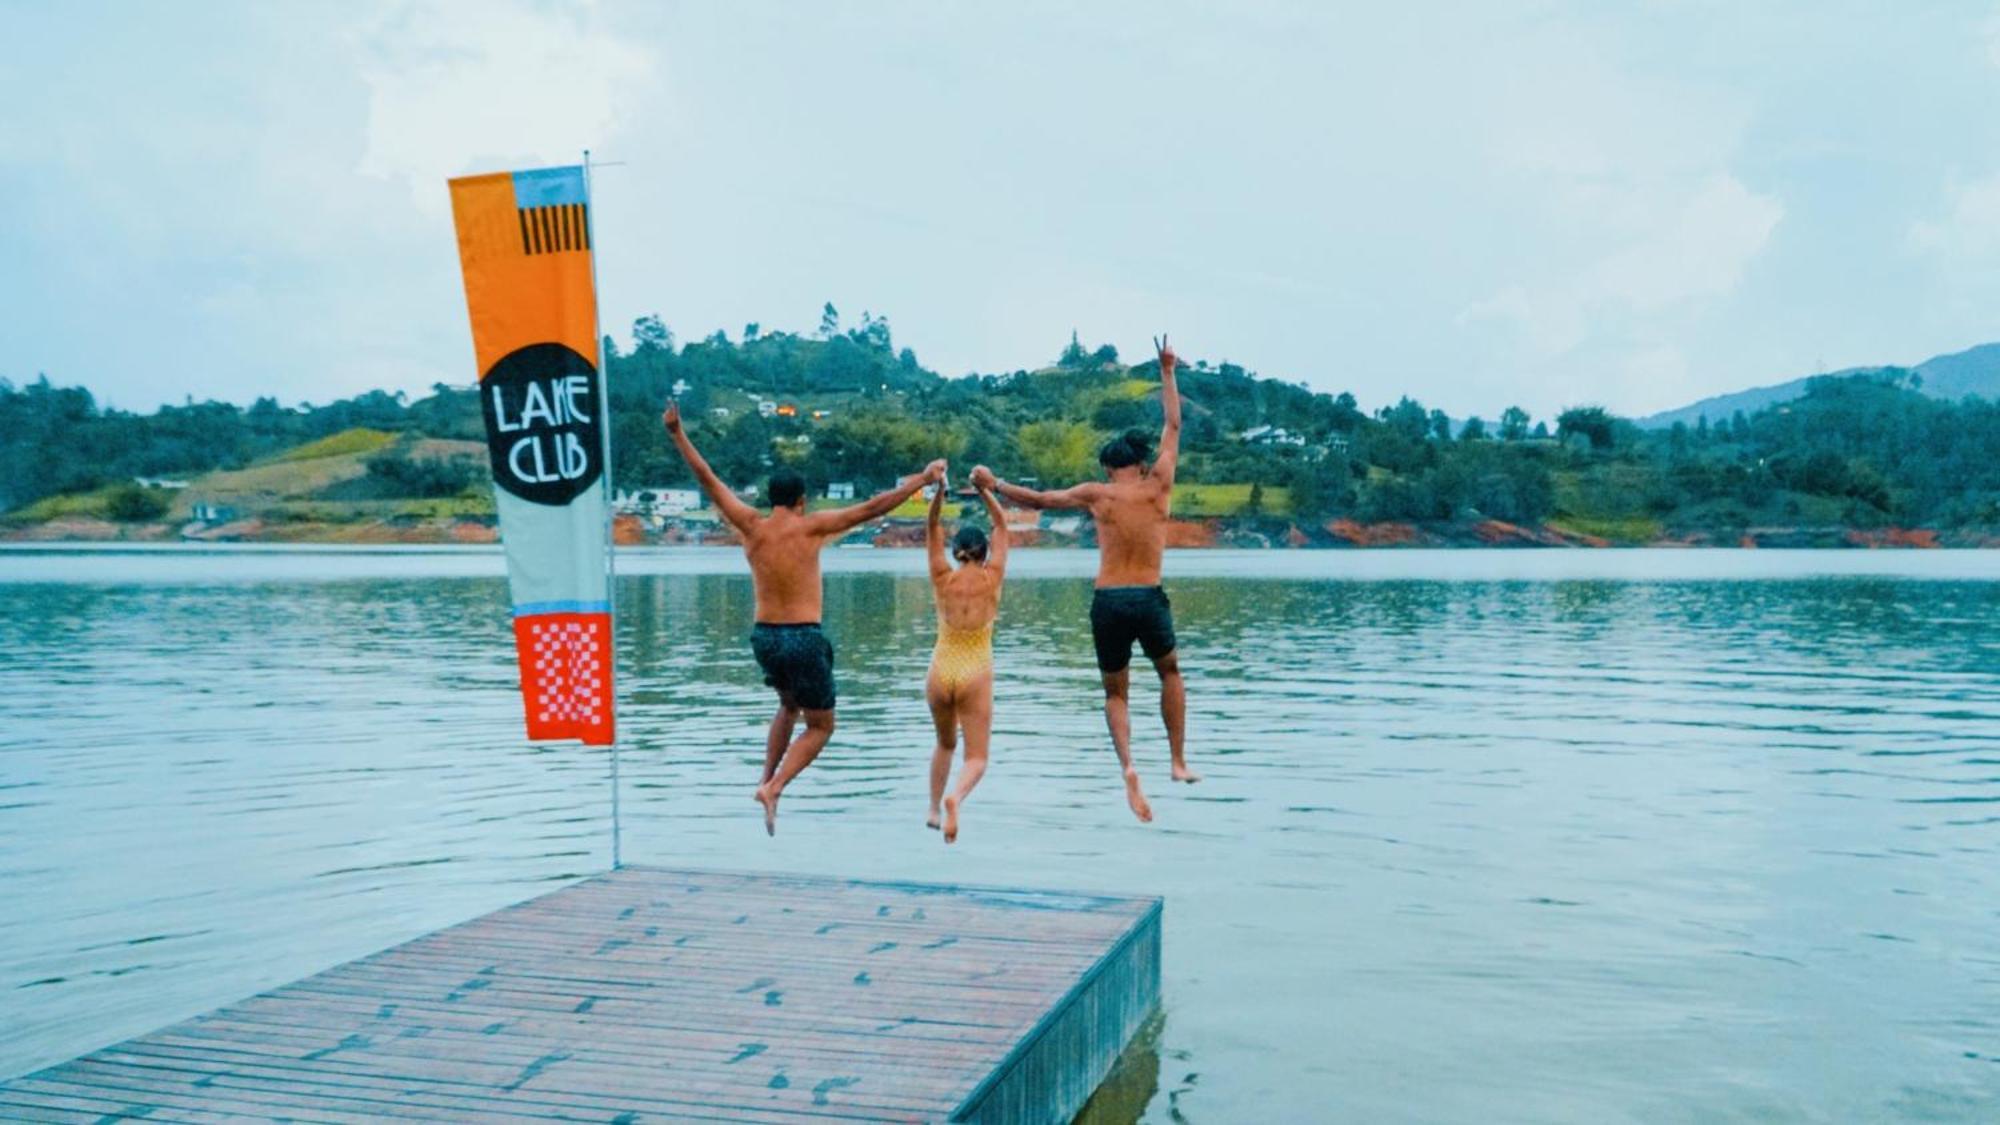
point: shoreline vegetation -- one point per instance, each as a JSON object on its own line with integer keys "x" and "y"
{"x": 1857, "y": 460}
{"x": 1184, "y": 535}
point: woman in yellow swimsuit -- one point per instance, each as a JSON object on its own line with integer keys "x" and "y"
{"x": 960, "y": 686}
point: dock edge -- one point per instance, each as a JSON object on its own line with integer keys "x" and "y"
{"x": 1055, "y": 1068}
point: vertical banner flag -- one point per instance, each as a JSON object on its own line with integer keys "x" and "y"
{"x": 524, "y": 243}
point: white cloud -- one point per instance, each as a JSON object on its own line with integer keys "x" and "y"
{"x": 1698, "y": 247}
{"x": 456, "y": 86}
{"x": 1622, "y": 187}
{"x": 1969, "y": 229}
{"x": 1550, "y": 322}
{"x": 1685, "y": 244}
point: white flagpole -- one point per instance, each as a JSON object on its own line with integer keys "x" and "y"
{"x": 610, "y": 516}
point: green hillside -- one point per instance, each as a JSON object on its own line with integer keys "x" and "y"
{"x": 846, "y": 405}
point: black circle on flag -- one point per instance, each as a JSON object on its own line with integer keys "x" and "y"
{"x": 544, "y": 423}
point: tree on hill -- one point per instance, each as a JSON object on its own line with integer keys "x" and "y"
{"x": 873, "y": 333}
{"x": 1059, "y": 453}
{"x": 1593, "y": 423}
{"x": 1073, "y": 356}
{"x": 649, "y": 335}
{"x": 399, "y": 475}
{"x": 1319, "y": 488}
{"x": 1407, "y": 419}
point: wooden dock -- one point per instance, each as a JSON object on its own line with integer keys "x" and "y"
{"x": 658, "y": 995}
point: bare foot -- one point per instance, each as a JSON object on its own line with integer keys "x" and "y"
{"x": 1183, "y": 773}
{"x": 769, "y": 800}
{"x": 1140, "y": 807}
{"x": 950, "y": 819}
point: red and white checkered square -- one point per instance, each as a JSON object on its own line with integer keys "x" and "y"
{"x": 566, "y": 675}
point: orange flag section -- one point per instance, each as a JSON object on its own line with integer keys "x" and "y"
{"x": 527, "y": 268}
{"x": 566, "y": 676}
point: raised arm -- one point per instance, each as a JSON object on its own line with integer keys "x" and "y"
{"x": 934, "y": 534}
{"x": 1170, "y": 407}
{"x": 741, "y": 516}
{"x": 1075, "y": 496}
{"x": 842, "y": 520}
{"x": 996, "y": 543}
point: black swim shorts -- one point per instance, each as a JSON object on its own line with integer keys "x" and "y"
{"x": 1120, "y": 615}
{"x": 798, "y": 661}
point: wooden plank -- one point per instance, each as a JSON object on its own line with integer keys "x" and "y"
{"x": 649, "y": 994}
{"x": 500, "y": 1037}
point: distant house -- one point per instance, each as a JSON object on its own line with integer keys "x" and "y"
{"x": 840, "y": 490}
{"x": 766, "y": 407}
{"x": 719, "y": 411}
{"x": 678, "y": 500}
{"x": 680, "y": 387}
{"x": 1061, "y": 525}
{"x": 821, "y": 414}
{"x": 159, "y": 482}
{"x": 1272, "y": 435}
{"x": 213, "y": 513}
{"x": 655, "y": 501}
{"x": 788, "y": 410}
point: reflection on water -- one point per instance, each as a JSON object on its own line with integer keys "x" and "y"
{"x": 1133, "y": 1082}
{"x": 1574, "y": 849}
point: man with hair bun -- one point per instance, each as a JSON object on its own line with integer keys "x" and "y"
{"x": 783, "y": 548}
{"x": 1131, "y": 508}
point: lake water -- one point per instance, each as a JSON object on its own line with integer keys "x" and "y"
{"x": 1492, "y": 836}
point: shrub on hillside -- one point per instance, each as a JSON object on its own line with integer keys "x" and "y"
{"x": 129, "y": 503}
{"x": 398, "y": 475}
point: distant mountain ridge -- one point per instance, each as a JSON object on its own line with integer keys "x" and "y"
{"x": 1974, "y": 371}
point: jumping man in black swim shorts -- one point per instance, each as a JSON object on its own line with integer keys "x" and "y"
{"x": 1131, "y": 509}
{"x": 783, "y": 548}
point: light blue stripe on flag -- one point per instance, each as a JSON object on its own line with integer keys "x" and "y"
{"x": 536, "y": 609}
{"x": 548, "y": 187}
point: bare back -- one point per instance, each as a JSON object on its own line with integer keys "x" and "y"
{"x": 968, "y": 597}
{"x": 783, "y": 549}
{"x": 1131, "y": 513}
{"x": 1132, "y": 508}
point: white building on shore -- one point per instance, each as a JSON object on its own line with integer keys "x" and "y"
{"x": 655, "y": 502}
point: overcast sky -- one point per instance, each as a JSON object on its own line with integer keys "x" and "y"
{"x": 1477, "y": 205}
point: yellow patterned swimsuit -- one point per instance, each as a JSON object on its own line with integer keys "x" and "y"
{"x": 961, "y": 654}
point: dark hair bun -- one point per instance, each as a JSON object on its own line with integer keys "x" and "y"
{"x": 1129, "y": 448}
{"x": 969, "y": 543}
